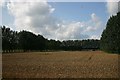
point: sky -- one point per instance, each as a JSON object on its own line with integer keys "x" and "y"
{"x": 58, "y": 20}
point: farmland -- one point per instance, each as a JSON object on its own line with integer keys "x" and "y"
{"x": 61, "y": 64}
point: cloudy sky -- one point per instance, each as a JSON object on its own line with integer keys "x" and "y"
{"x": 58, "y": 20}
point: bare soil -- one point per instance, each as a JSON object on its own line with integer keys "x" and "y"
{"x": 62, "y": 64}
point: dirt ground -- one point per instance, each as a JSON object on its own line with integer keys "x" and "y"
{"x": 62, "y": 64}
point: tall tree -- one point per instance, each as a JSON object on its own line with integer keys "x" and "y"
{"x": 9, "y": 39}
{"x": 27, "y": 40}
{"x": 110, "y": 40}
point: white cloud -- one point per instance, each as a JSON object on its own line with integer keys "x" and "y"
{"x": 94, "y": 17}
{"x": 2, "y": 3}
{"x": 31, "y": 15}
{"x": 71, "y": 30}
{"x": 36, "y": 17}
{"x": 93, "y": 24}
{"x": 81, "y": 30}
{"x": 119, "y": 6}
{"x": 94, "y": 37}
{"x": 26, "y": 0}
{"x": 112, "y": 7}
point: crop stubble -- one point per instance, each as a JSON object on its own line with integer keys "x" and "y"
{"x": 62, "y": 64}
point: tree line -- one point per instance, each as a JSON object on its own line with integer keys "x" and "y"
{"x": 110, "y": 40}
{"x": 13, "y": 41}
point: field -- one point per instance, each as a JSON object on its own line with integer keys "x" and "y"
{"x": 61, "y": 64}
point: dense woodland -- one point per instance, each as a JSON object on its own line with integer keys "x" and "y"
{"x": 110, "y": 40}
{"x": 13, "y": 41}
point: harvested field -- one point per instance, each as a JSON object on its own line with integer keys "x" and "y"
{"x": 62, "y": 64}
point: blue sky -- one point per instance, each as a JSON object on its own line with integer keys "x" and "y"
{"x": 7, "y": 18}
{"x": 79, "y": 11}
{"x": 58, "y": 20}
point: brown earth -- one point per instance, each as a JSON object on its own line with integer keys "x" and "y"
{"x": 62, "y": 64}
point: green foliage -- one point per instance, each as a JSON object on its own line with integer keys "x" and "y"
{"x": 9, "y": 39}
{"x": 24, "y": 40}
{"x": 30, "y": 41}
{"x": 53, "y": 45}
{"x": 80, "y": 45}
{"x": 27, "y": 41}
{"x": 110, "y": 40}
